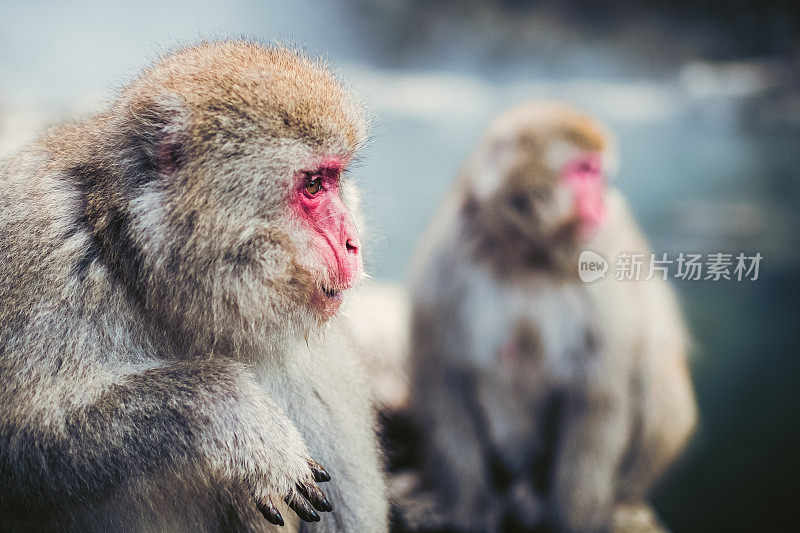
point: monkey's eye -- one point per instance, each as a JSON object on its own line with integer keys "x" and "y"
{"x": 519, "y": 202}
{"x": 313, "y": 186}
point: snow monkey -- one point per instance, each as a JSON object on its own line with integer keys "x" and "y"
{"x": 170, "y": 355}
{"x": 547, "y": 401}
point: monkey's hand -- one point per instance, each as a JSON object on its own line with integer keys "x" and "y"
{"x": 249, "y": 441}
{"x": 302, "y": 498}
{"x": 268, "y": 456}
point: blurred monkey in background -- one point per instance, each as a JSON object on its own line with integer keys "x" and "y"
{"x": 546, "y": 402}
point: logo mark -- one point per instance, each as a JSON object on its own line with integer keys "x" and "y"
{"x": 591, "y": 266}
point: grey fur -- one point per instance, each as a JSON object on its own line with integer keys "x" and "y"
{"x": 154, "y": 364}
{"x": 598, "y": 401}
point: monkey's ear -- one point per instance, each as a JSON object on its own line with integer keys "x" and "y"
{"x": 169, "y": 154}
{"x": 160, "y": 129}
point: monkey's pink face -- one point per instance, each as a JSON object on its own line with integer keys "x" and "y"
{"x": 317, "y": 202}
{"x": 583, "y": 178}
{"x": 542, "y": 211}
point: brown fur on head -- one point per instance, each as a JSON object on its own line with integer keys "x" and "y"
{"x": 519, "y": 214}
{"x": 233, "y": 90}
{"x": 189, "y": 183}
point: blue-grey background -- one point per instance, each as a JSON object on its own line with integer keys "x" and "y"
{"x": 705, "y": 101}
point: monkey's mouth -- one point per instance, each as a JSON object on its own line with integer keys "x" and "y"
{"x": 330, "y": 293}
{"x": 326, "y": 301}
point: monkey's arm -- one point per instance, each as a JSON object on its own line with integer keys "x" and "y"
{"x": 593, "y": 435}
{"x": 457, "y": 458}
{"x": 666, "y": 413}
{"x": 198, "y": 419}
{"x": 445, "y": 378}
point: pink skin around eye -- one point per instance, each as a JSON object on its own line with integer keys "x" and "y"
{"x": 583, "y": 175}
{"x": 334, "y": 237}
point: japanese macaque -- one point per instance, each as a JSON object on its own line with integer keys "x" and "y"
{"x": 547, "y": 402}
{"x": 170, "y": 353}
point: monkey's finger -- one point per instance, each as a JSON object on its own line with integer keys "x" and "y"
{"x": 320, "y": 474}
{"x": 271, "y": 513}
{"x": 303, "y": 509}
{"x": 315, "y": 496}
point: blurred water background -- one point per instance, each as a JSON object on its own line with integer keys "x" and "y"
{"x": 705, "y": 100}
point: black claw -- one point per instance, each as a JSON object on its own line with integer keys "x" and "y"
{"x": 325, "y": 505}
{"x": 320, "y": 474}
{"x": 271, "y": 514}
{"x": 302, "y": 509}
{"x": 315, "y": 496}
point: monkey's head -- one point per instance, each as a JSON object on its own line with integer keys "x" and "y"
{"x": 234, "y": 212}
{"x": 534, "y": 193}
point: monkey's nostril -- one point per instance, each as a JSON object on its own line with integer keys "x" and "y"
{"x": 352, "y": 246}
